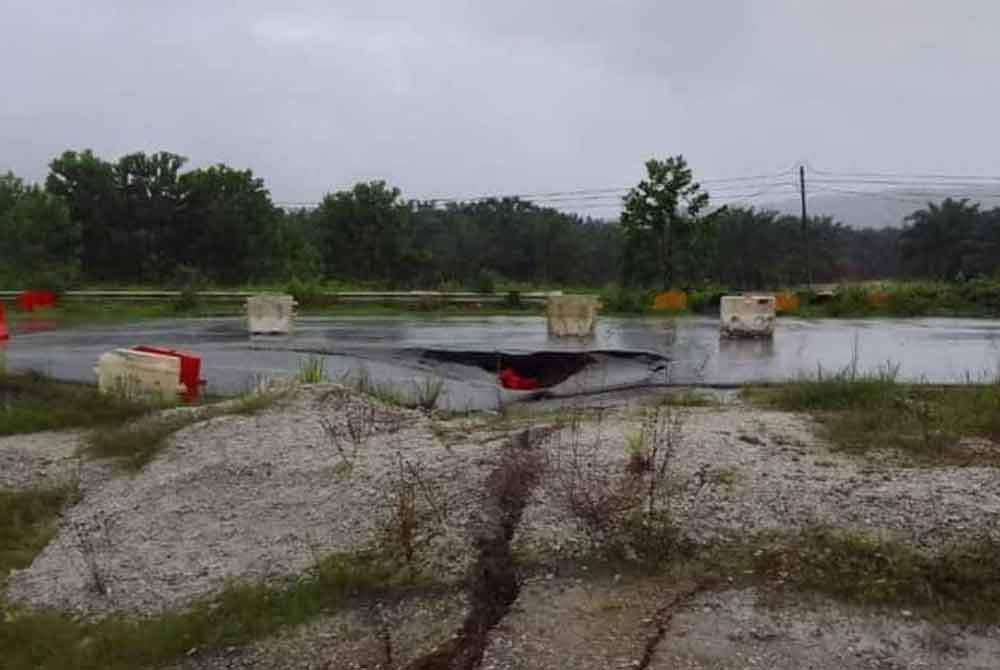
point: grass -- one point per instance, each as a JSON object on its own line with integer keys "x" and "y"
{"x": 31, "y": 402}
{"x": 51, "y": 641}
{"x": 79, "y": 313}
{"x": 428, "y": 393}
{"x": 135, "y": 444}
{"x": 688, "y": 398}
{"x": 27, "y": 523}
{"x": 961, "y": 585}
{"x": 312, "y": 370}
{"x": 864, "y": 412}
{"x": 46, "y": 640}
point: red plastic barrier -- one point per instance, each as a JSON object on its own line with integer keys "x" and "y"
{"x": 29, "y": 301}
{"x": 190, "y": 369}
{"x": 4, "y": 331}
{"x": 509, "y": 379}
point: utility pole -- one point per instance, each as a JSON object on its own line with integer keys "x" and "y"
{"x": 805, "y": 224}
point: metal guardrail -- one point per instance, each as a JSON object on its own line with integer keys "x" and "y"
{"x": 400, "y": 297}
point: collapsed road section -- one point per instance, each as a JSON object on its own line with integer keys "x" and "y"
{"x": 555, "y": 371}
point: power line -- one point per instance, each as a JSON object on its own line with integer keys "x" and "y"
{"x": 900, "y": 175}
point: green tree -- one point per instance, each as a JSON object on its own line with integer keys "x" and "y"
{"x": 41, "y": 243}
{"x": 126, "y": 211}
{"x": 366, "y": 233}
{"x": 940, "y": 241}
{"x": 228, "y": 228}
{"x": 665, "y": 236}
{"x": 152, "y": 198}
{"x": 86, "y": 184}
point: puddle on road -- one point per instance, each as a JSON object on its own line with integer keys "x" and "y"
{"x": 470, "y": 354}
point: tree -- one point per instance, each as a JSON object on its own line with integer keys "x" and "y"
{"x": 665, "y": 236}
{"x": 126, "y": 211}
{"x": 939, "y": 242}
{"x": 366, "y": 233}
{"x": 41, "y": 243}
{"x": 228, "y": 227}
{"x": 152, "y": 197}
{"x": 86, "y": 184}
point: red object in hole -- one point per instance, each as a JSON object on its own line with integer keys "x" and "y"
{"x": 29, "y": 301}
{"x": 190, "y": 369}
{"x": 509, "y": 379}
{"x": 4, "y": 332}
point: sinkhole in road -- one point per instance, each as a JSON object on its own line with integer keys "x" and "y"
{"x": 524, "y": 371}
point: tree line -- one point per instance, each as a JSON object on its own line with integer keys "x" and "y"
{"x": 145, "y": 219}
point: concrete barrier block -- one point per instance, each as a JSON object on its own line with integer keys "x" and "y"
{"x": 139, "y": 375}
{"x": 271, "y": 314}
{"x": 747, "y": 315}
{"x": 571, "y": 315}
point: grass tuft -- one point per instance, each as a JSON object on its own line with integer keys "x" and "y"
{"x": 32, "y": 402}
{"x": 135, "y": 444}
{"x": 312, "y": 370}
{"x": 962, "y": 584}
{"x": 51, "y": 641}
{"x": 27, "y": 523}
{"x": 865, "y": 412}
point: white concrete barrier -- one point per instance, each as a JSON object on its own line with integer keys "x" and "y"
{"x": 747, "y": 315}
{"x": 571, "y": 315}
{"x": 271, "y": 314}
{"x": 138, "y": 375}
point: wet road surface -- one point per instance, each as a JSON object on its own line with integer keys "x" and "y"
{"x": 394, "y": 351}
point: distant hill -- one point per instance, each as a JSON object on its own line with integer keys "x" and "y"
{"x": 875, "y": 209}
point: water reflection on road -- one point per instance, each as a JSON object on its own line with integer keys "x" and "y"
{"x": 932, "y": 350}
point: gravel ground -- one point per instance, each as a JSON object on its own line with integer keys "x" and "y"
{"x": 738, "y": 471}
{"x": 262, "y": 497}
{"x": 255, "y": 498}
{"x": 373, "y": 635}
{"x": 606, "y": 622}
{"x": 599, "y": 624}
{"x": 39, "y": 460}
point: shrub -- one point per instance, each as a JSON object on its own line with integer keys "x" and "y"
{"x": 849, "y": 301}
{"x": 627, "y": 300}
{"x": 484, "y": 282}
{"x": 983, "y": 293}
{"x": 306, "y": 293}
{"x": 705, "y": 300}
{"x": 513, "y": 300}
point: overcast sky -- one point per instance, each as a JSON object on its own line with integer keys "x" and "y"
{"x": 452, "y": 98}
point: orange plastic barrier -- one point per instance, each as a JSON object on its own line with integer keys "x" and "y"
{"x": 671, "y": 301}
{"x": 877, "y": 298}
{"x": 786, "y": 302}
{"x": 29, "y": 301}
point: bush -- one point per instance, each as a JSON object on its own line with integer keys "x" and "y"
{"x": 484, "y": 282}
{"x": 513, "y": 300}
{"x": 190, "y": 282}
{"x": 849, "y": 301}
{"x": 306, "y": 293}
{"x": 983, "y": 293}
{"x": 627, "y": 300}
{"x": 919, "y": 299}
{"x": 705, "y": 300}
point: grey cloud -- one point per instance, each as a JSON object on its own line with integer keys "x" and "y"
{"x": 450, "y": 98}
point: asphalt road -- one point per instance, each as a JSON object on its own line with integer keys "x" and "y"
{"x": 391, "y": 350}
